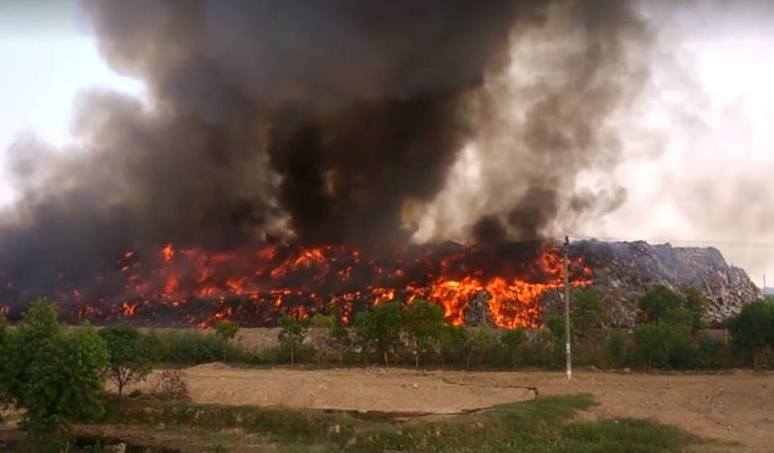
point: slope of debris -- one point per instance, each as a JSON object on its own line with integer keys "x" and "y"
{"x": 623, "y": 271}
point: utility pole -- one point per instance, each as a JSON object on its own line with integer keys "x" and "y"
{"x": 568, "y": 348}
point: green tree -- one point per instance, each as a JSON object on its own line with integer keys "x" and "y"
{"x": 587, "y": 312}
{"x": 226, "y": 330}
{"x": 697, "y": 305}
{"x": 292, "y": 333}
{"x": 131, "y": 355}
{"x": 479, "y": 341}
{"x": 379, "y": 328}
{"x": 320, "y": 335}
{"x": 512, "y": 340}
{"x": 654, "y": 342}
{"x": 658, "y": 303}
{"x": 752, "y": 330}
{"x": 452, "y": 341}
{"x": 55, "y": 375}
{"x": 423, "y": 323}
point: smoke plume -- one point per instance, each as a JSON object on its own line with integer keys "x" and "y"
{"x": 328, "y": 122}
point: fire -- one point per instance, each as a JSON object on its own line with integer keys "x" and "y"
{"x": 255, "y": 285}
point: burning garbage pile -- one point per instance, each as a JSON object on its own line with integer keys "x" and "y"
{"x": 255, "y": 286}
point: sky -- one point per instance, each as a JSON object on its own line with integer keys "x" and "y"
{"x": 697, "y": 155}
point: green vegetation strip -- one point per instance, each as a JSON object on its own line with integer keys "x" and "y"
{"x": 542, "y": 425}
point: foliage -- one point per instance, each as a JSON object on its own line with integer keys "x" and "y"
{"x": 655, "y": 342}
{"x": 657, "y": 303}
{"x": 292, "y": 333}
{"x": 711, "y": 354}
{"x": 587, "y": 312}
{"x": 423, "y": 323}
{"x": 379, "y": 328}
{"x": 226, "y": 330}
{"x": 171, "y": 386}
{"x": 513, "y": 340}
{"x": 187, "y": 347}
{"x": 321, "y": 321}
{"x": 478, "y": 341}
{"x": 131, "y": 355}
{"x": 752, "y": 330}
{"x": 452, "y": 342}
{"x": 55, "y": 375}
{"x": 697, "y": 305}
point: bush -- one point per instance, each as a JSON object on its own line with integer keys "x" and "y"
{"x": 653, "y": 343}
{"x": 171, "y": 386}
{"x": 478, "y": 342}
{"x": 423, "y": 323}
{"x": 292, "y": 334}
{"x": 711, "y": 354}
{"x": 379, "y": 329}
{"x": 587, "y": 312}
{"x": 188, "y": 347}
{"x": 752, "y": 331}
{"x": 131, "y": 355}
{"x": 226, "y": 330}
{"x": 513, "y": 340}
{"x": 55, "y": 375}
{"x": 658, "y": 302}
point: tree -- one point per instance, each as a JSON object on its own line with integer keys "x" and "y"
{"x": 226, "y": 330}
{"x": 752, "y": 330}
{"x": 292, "y": 334}
{"x": 697, "y": 306}
{"x": 654, "y": 342}
{"x": 131, "y": 355}
{"x": 423, "y": 323}
{"x": 479, "y": 341}
{"x": 657, "y": 303}
{"x": 379, "y": 328}
{"x": 512, "y": 340}
{"x": 453, "y": 340}
{"x": 320, "y": 335}
{"x": 587, "y": 312}
{"x": 55, "y": 375}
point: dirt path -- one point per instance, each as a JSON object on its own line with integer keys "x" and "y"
{"x": 736, "y": 407}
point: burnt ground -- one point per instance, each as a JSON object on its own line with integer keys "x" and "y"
{"x": 735, "y": 407}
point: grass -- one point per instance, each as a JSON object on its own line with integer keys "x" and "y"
{"x": 542, "y": 425}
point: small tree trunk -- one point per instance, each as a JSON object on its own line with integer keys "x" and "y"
{"x": 292, "y": 358}
{"x": 120, "y": 389}
{"x": 416, "y": 361}
{"x": 386, "y": 362}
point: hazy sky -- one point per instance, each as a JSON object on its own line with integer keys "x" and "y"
{"x": 698, "y": 147}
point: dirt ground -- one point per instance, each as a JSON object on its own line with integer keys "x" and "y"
{"x": 733, "y": 407}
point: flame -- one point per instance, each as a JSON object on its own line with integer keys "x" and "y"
{"x": 254, "y": 285}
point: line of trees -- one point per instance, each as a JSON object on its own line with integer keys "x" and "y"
{"x": 57, "y": 374}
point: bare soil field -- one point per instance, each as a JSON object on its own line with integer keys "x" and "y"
{"x": 735, "y": 407}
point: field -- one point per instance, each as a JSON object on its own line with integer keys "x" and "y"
{"x": 733, "y": 409}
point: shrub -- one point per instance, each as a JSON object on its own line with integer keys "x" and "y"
{"x": 479, "y": 340}
{"x": 752, "y": 330}
{"x": 652, "y": 344}
{"x": 452, "y": 342}
{"x": 292, "y": 334}
{"x": 171, "y": 386}
{"x": 697, "y": 306}
{"x": 711, "y": 354}
{"x": 131, "y": 355}
{"x": 226, "y": 330}
{"x": 423, "y": 323}
{"x": 513, "y": 340}
{"x": 55, "y": 375}
{"x": 587, "y": 312}
{"x": 379, "y": 328}
{"x": 188, "y": 347}
{"x": 658, "y": 301}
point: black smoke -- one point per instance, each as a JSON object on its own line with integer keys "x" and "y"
{"x": 314, "y": 120}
